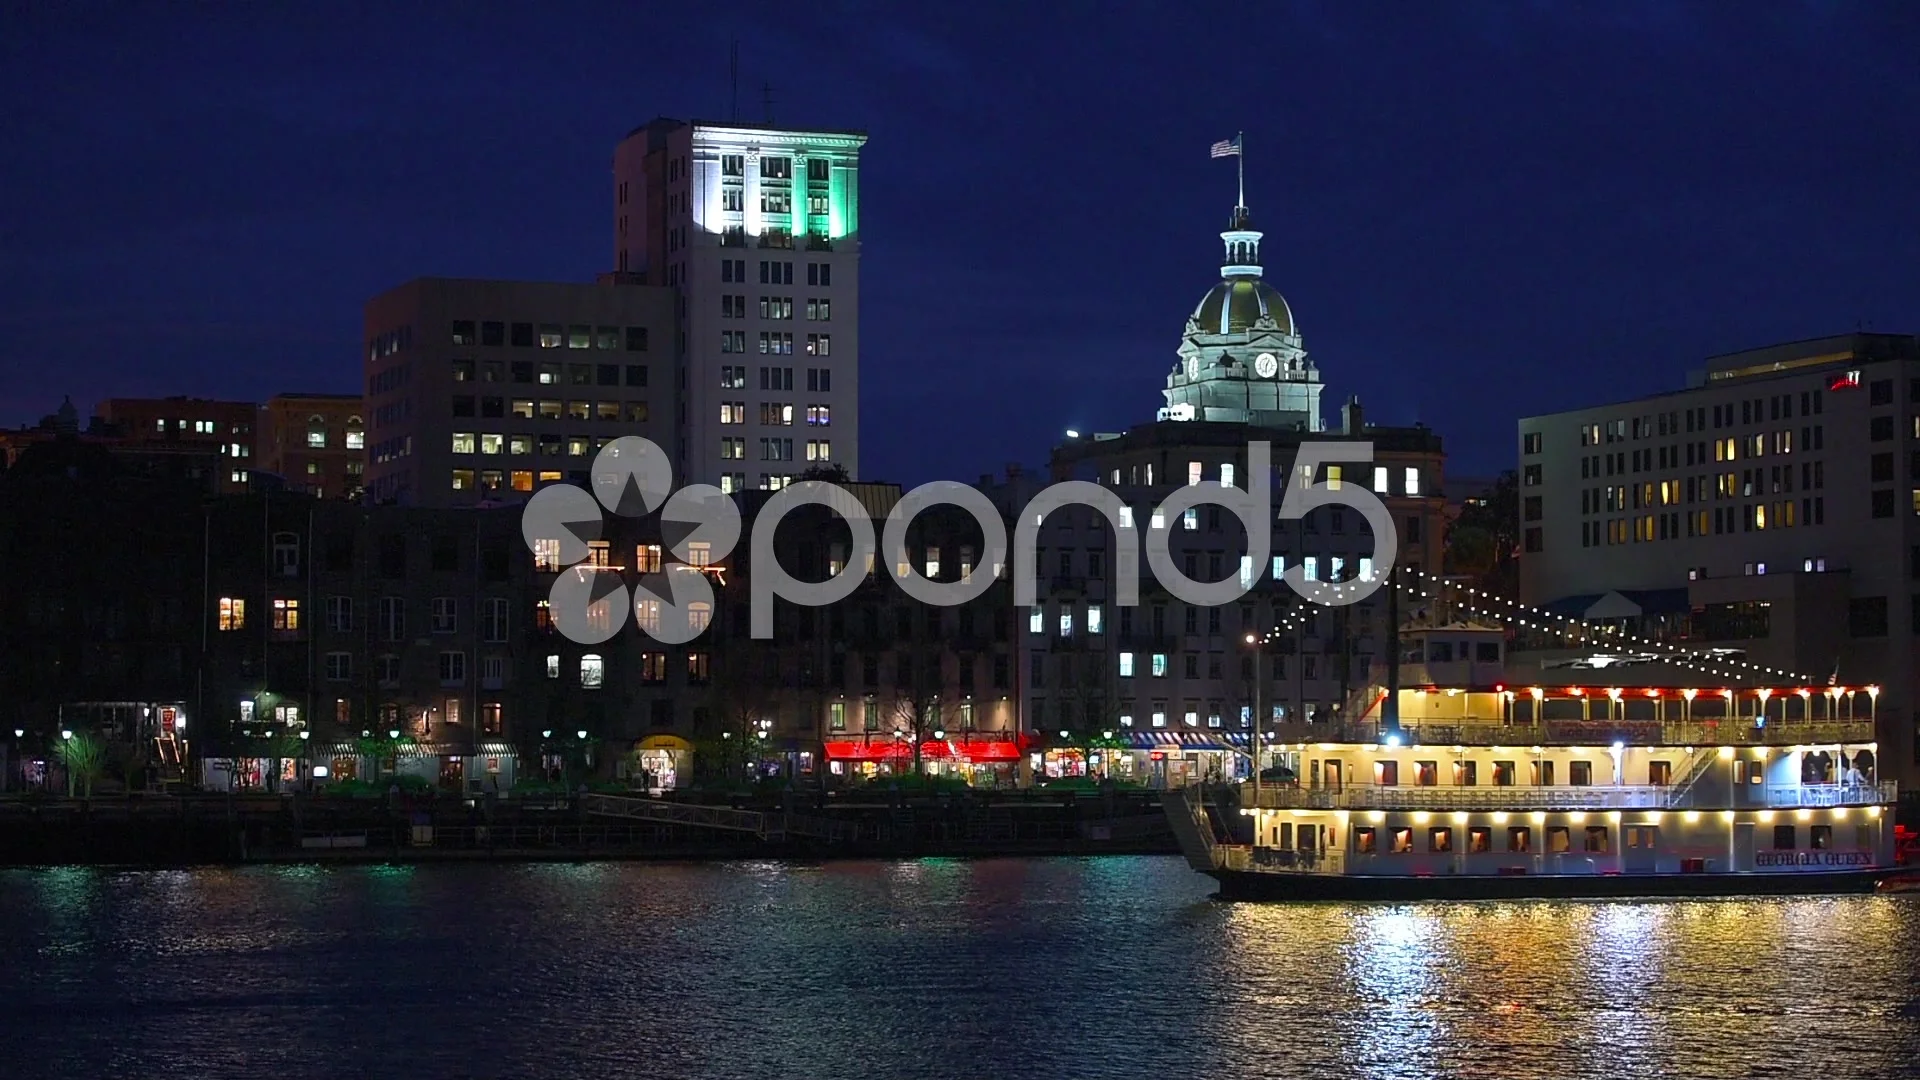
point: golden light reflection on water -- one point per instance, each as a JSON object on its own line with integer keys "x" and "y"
{"x": 936, "y": 969}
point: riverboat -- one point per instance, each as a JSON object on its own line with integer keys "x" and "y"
{"x": 1473, "y": 789}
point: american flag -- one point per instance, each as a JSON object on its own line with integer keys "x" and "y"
{"x": 1227, "y": 147}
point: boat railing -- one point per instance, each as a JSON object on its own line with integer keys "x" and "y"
{"x": 1493, "y": 731}
{"x": 1457, "y": 797}
{"x": 1311, "y": 861}
{"x": 1861, "y": 794}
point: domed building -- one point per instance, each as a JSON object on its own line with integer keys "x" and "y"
{"x": 1241, "y": 360}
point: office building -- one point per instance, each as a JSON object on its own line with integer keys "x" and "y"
{"x": 480, "y": 391}
{"x": 757, "y": 229}
{"x": 1768, "y": 513}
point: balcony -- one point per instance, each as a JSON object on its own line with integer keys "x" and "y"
{"x": 1459, "y": 797}
{"x": 1587, "y": 733}
{"x": 1885, "y": 792}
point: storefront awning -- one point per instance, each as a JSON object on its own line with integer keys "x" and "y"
{"x": 875, "y": 749}
{"x": 663, "y": 742}
{"x": 970, "y": 749}
{"x": 975, "y": 749}
{"x": 1183, "y": 740}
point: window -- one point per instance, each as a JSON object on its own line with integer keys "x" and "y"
{"x": 493, "y": 619}
{"x": 286, "y": 615}
{"x": 339, "y": 614}
{"x": 453, "y": 668}
{"x": 1126, "y": 665}
{"x": 1867, "y": 616}
{"x": 1519, "y": 838}
{"x": 593, "y": 672}
{"x": 393, "y": 618}
{"x": 1440, "y": 839}
{"x": 339, "y": 666}
{"x": 1580, "y": 773}
{"x": 1413, "y": 481}
{"x": 1596, "y": 840}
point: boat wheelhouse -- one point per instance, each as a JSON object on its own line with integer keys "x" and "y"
{"x": 1472, "y": 787}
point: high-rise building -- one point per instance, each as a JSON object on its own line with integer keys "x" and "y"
{"x": 483, "y": 391}
{"x": 757, "y": 228}
{"x": 316, "y": 443}
{"x": 1768, "y": 514}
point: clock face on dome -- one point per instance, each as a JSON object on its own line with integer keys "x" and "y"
{"x": 1193, "y": 367}
{"x": 1265, "y": 365}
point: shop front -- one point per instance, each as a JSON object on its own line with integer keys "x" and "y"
{"x": 1172, "y": 759}
{"x": 982, "y": 759}
{"x": 658, "y": 763}
{"x": 862, "y": 758}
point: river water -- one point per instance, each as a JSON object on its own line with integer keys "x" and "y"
{"x": 1006, "y": 968}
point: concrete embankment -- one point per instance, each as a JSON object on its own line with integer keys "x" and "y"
{"x": 202, "y": 830}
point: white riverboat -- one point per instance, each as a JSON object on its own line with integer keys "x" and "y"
{"x": 1480, "y": 789}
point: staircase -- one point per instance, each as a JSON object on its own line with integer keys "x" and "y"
{"x": 1702, "y": 763}
{"x": 1193, "y": 828}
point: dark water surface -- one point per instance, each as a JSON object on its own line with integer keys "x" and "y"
{"x": 933, "y": 969}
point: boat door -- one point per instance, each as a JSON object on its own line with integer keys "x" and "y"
{"x": 1743, "y": 845}
{"x": 1640, "y": 849}
{"x": 1330, "y": 775}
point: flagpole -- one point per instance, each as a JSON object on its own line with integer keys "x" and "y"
{"x": 1240, "y": 162}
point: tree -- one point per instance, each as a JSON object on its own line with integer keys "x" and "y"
{"x": 745, "y": 697}
{"x": 85, "y": 758}
{"x": 1483, "y": 542}
{"x": 833, "y": 474}
{"x": 1093, "y": 704}
{"x": 131, "y": 763}
{"x": 915, "y": 707}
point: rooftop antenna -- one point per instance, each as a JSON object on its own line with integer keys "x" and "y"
{"x": 766, "y": 102}
{"x": 733, "y": 65}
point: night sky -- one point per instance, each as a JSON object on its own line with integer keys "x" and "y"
{"x": 1477, "y": 212}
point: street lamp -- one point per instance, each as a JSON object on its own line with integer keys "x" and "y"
{"x": 1253, "y": 642}
{"x": 582, "y": 733}
{"x": 65, "y": 733}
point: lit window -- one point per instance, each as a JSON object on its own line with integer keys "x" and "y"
{"x": 1159, "y": 665}
{"x": 1366, "y": 568}
{"x": 546, "y": 556}
{"x": 1066, "y": 621}
{"x": 699, "y": 553}
{"x": 1126, "y": 665}
{"x": 553, "y": 666}
{"x": 593, "y": 671}
{"x": 1334, "y": 476}
{"x": 1037, "y": 619}
{"x": 1159, "y": 718}
{"x": 1311, "y": 567}
{"x": 699, "y": 616}
{"x": 933, "y": 564}
{"x": 1192, "y": 719}
{"x": 317, "y": 438}
{"x": 1226, "y": 475}
{"x": 1246, "y": 571}
{"x": 1193, "y": 472}
{"x": 286, "y": 614}
{"x": 1159, "y": 519}
{"x": 1126, "y": 517}
{"x": 1334, "y": 566}
{"x": 1380, "y": 481}
{"x": 233, "y": 613}
{"x": 1190, "y": 518}
{"x": 1413, "y": 481}
{"x": 1095, "y": 625}
{"x": 1279, "y": 567}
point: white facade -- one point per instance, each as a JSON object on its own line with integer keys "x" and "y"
{"x": 757, "y": 228}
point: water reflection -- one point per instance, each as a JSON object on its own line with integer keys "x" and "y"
{"x": 940, "y": 969}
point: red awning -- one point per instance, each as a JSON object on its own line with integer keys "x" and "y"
{"x": 886, "y": 749}
{"x": 974, "y": 749}
{"x": 979, "y": 750}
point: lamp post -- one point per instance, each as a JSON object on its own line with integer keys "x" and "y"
{"x": 1253, "y": 642}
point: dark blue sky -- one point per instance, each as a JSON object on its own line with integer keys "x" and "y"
{"x": 1477, "y": 212}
